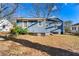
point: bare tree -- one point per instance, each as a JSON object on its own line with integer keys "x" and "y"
{"x": 67, "y": 26}
{"x": 49, "y": 8}
{"x": 7, "y": 9}
{"x": 42, "y": 10}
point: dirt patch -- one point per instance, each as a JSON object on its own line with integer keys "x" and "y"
{"x": 28, "y": 45}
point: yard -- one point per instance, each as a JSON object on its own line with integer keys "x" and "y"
{"x": 25, "y": 45}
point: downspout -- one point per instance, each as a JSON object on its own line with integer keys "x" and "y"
{"x": 62, "y": 28}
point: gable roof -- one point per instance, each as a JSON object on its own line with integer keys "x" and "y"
{"x": 55, "y": 19}
{"x": 5, "y": 21}
{"x": 75, "y": 24}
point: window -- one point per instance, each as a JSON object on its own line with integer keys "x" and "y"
{"x": 40, "y": 23}
{"x": 25, "y": 24}
{"x": 73, "y": 28}
{"x": 55, "y": 26}
{"x": 4, "y": 26}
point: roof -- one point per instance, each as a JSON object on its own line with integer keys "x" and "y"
{"x": 5, "y": 21}
{"x": 39, "y": 19}
{"x": 31, "y": 19}
{"x": 75, "y": 24}
{"x": 55, "y": 19}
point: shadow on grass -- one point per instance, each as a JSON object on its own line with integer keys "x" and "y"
{"x": 50, "y": 50}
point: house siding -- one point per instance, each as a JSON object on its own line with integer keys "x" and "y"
{"x": 5, "y": 25}
{"x": 74, "y": 28}
{"x": 36, "y": 27}
{"x": 45, "y": 27}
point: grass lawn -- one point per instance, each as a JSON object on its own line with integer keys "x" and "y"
{"x": 41, "y": 45}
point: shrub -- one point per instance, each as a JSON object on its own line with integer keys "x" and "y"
{"x": 23, "y": 31}
{"x": 18, "y": 30}
{"x": 76, "y": 33}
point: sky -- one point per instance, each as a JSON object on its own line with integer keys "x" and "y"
{"x": 64, "y": 11}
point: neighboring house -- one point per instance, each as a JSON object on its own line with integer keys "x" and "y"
{"x": 5, "y": 25}
{"x": 75, "y": 28}
{"x": 41, "y": 25}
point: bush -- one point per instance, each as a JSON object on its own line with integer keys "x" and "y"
{"x": 23, "y": 31}
{"x": 76, "y": 33}
{"x": 18, "y": 30}
{"x": 67, "y": 30}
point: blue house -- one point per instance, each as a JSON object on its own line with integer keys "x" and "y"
{"x": 41, "y": 25}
